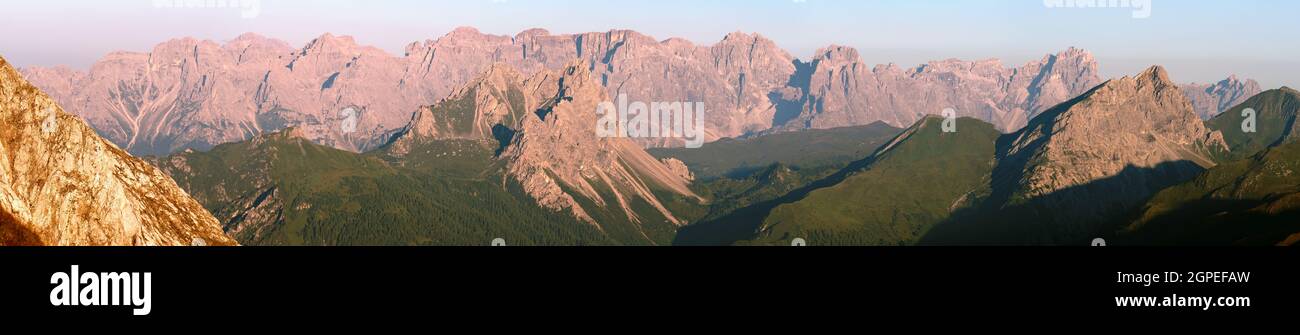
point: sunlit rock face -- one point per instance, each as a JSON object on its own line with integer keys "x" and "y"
{"x": 62, "y": 184}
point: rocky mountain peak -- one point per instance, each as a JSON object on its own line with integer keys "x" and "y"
{"x": 533, "y": 32}
{"x": 738, "y": 35}
{"x": 751, "y": 53}
{"x": 1155, "y": 76}
{"x": 464, "y": 31}
{"x": 1152, "y": 83}
{"x": 1107, "y": 150}
{"x": 470, "y": 37}
{"x": 748, "y": 38}
{"x": 1072, "y": 61}
{"x": 1141, "y": 123}
{"x": 558, "y": 157}
{"x": 248, "y": 41}
{"x": 329, "y": 40}
{"x": 1073, "y": 53}
{"x": 837, "y": 54}
{"x": 251, "y": 38}
{"x": 338, "y": 49}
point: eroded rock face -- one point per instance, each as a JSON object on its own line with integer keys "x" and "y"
{"x": 843, "y": 91}
{"x": 62, "y": 184}
{"x": 559, "y": 159}
{"x": 1211, "y": 100}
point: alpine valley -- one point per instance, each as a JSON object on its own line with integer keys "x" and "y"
{"x": 473, "y": 137}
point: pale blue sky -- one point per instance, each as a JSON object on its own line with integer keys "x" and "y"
{"x": 1199, "y": 40}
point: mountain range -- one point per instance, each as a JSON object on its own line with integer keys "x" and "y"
{"x": 252, "y": 142}
{"x": 196, "y": 94}
{"x": 1210, "y": 100}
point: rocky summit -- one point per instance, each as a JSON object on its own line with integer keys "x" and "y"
{"x": 1105, "y": 151}
{"x": 1132, "y": 122}
{"x": 62, "y": 184}
{"x": 544, "y": 129}
{"x": 562, "y": 163}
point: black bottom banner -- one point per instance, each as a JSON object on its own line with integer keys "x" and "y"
{"x": 467, "y": 285}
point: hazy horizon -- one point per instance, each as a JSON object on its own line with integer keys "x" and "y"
{"x": 1201, "y": 41}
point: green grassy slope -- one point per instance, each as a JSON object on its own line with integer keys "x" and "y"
{"x": 1275, "y": 121}
{"x": 1252, "y": 197}
{"x": 1254, "y": 201}
{"x": 895, "y": 200}
{"x": 889, "y": 198}
{"x": 444, "y": 193}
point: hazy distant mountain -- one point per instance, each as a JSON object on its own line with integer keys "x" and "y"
{"x": 1210, "y": 100}
{"x": 187, "y": 93}
{"x": 61, "y": 184}
{"x": 195, "y": 94}
{"x": 841, "y": 90}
